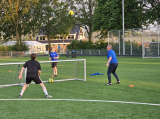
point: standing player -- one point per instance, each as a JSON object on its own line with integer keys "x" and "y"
{"x": 113, "y": 64}
{"x": 54, "y": 55}
{"x": 33, "y": 73}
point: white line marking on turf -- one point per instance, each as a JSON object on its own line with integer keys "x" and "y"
{"x": 82, "y": 100}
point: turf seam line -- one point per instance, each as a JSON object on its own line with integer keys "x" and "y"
{"x": 82, "y": 100}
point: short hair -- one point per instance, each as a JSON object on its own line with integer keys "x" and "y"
{"x": 109, "y": 45}
{"x": 33, "y": 56}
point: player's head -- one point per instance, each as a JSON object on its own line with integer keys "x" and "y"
{"x": 33, "y": 56}
{"x": 109, "y": 47}
{"x": 53, "y": 49}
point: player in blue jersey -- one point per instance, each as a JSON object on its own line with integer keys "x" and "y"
{"x": 113, "y": 64}
{"x": 54, "y": 56}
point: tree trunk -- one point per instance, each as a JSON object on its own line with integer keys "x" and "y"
{"x": 49, "y": 42}
{"x": 17, "y": 35}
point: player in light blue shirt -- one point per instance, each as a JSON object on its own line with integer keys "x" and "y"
{"x": 54, "y": 56}
{"x": 113, "y": 64}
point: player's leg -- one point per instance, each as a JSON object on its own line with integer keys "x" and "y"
{"x": 110, "y": 69}
{"x": 55, "y": 68}
{"x": 114, "y": 73}
{"x": 37, "y": 80}
{"x": 52, "y": 65}
{"x": 28, "y": 80}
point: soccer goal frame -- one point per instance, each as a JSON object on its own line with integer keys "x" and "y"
{"x": 151, "y": 50}
{"x": 79, "y": 65}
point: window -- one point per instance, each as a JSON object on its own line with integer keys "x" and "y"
{"x": 61, "y": 37}
{"x": 43, "y": 37}
{"x": 71, "y": 37}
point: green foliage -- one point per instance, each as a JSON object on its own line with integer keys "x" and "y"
{"x": 16, "y": 47}
{"x": 84, "y": 11}
{"x": 21, "y": 47}
{"x": 16, "y": 19}
{"x": 108, "y": 15}
{"x": 3, "y": 48}
{"x": 53, "y": 18}
{"x": 87, "y": 45}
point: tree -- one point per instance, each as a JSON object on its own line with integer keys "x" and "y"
{"x": 153, "y": 8}
{"x": 53, "y": 19}
{"x": 108, "y": 15}
{"x": 84, "y": 12}
{"x": 15, "y": 18}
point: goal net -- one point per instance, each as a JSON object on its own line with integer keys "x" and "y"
{"x": 67, "y": 70}
{"x": 151, "y": 50}
{"x": 151, "y": 43}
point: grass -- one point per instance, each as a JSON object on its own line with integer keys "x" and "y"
{"x": 142, "y": 73}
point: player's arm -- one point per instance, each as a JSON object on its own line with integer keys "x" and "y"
{"x": 57, "y": 57}
{"x": 20, "y": 76}
{"x": 50, "y": 56}
{"x": 109, "y": 60}
{"x": 39, "y": 72}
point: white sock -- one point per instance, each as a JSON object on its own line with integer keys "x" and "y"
{"x": 45, "y": 91}
{"x": 21, "y": 92}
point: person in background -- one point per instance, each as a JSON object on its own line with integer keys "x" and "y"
{"x": 113, "y": 64}
{"x": 54, "y": 56}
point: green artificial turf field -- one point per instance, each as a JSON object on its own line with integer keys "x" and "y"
{"x": 144, "y": 74}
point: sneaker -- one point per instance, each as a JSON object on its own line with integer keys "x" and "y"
{"x": 118, "y": 82}
{"x": 48, "y": 96}
{"x": 20, "y": 96}
{"x": 109, "y": 84}
{"x": 55, "y": 75}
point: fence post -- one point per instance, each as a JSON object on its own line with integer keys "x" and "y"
{"x": 158, "y": 41}
{"x": 99, "y": 51}
{"x": 11, "y": 53}
{"x": 81, "y": 51}
{"x": 108, "y": 37}
{"x": 131, "y": 41}
{"x": 119, "y": 42}
{"x": 90, "y": 51}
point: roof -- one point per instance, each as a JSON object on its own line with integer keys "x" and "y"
{"x": 57, "y": 41}
{"x": 30, "y": 43}
{"x": 74, "y": 30}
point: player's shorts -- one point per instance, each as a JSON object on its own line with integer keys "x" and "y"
{"x": 34, "y": 78}
{"x": 54, "y": 64}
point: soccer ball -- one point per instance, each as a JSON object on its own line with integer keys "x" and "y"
{"x": 71, "y": 12}
{"x": 50, "y": 80}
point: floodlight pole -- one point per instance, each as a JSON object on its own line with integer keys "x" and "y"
{"x": 123, "y": 26}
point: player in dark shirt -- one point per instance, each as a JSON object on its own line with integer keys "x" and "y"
{"x": 33, "y": 73}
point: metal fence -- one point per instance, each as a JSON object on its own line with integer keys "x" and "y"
{"x": 20, "y": 53}
{"x": 135, "y": 40}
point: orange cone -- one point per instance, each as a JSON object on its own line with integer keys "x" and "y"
{"x": 52, "y": 76}
{"x": 131, "y": 85}
{"x": 9, "y": 70}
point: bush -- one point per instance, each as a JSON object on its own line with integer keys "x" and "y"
{"x": 87, "y": 45}
{"x": 21, "y": 47}
{"x": 16, "y": 47}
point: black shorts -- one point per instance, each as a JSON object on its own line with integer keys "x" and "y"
{"x": 35, "y": 78}
{"x": 54, "y": 64}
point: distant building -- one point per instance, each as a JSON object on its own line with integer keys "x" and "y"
{"x": 61, "y": 42}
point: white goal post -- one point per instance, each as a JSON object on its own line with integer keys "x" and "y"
{"x": 67, "y": 70}
{"x": 151, "y": 50}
